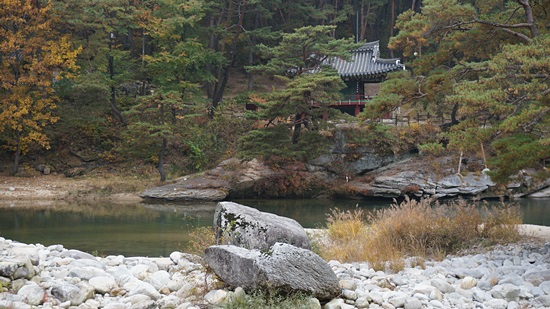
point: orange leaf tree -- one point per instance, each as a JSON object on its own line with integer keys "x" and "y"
{"x": 32, "y": 57}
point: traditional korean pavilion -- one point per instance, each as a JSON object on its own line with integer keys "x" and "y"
{"x": 362, "y": 73}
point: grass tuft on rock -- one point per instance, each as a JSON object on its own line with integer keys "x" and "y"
{"x": 421, "y": 228}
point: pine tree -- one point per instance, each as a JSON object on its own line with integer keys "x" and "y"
{"x": 310, "y": 85}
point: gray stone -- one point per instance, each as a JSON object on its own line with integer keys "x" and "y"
{"x": 544, "y": 193}
{"x": 543, "y": 300}
{"x": 174, "y": 192}
{"x": 144, "y": 288}
{"x": 512, "y": 278}
{"x": 164, "y": 263}
{"x": 17, "y": 267}
{"x": 32, "y": 294}
{"x": 186, "y": 290}
{"x": 23, "y": 272}
{"x": 75, "y": 294}
{"x": 537, "y": 291}
{"x": 159, "y": 279}
{"x": 512, "y": 305}
{"x": 103, "y": 284}
{"x": 77, "y": 254}
{"x": 66, "y": 292}
{"x": 467, "y": 272}
{"x": 231, "y": 175}
{"x": 313, "y": 303}
{"x": 337, "y": 303}
{"x": 86, "y": 273}
{"x": 412, "y": 303}
{"x": 238, "y": 295}
{"x": 451, "y": 181}
{"x": 170, "y": 301}
{"x": 88, "y": 263}
{"x": 282, "y": 267}
{"x": 115, "y": 305}
{"x": 25, "y": 250}
{"x": 421, "y": 297}
{"x": 348, "y": 284}
{"x": 216, "y": 297}
{"x": 347, "y": 294}
{"x": 480, "y": 295}
{"x": 251, "y": 229}
{"x": 536, "y": 277}
{"x": 506, "y": 291}
{"x": 442, "y": 285}
{"x": 423, "y": 289}
{"x": 468, "y": 283}
{"x": 545, "y": 286}
{"x": 496, "y": 304}
{"x": 436, "y": 304}
{"x": 398, "y": 300}
{"x": 436, "y": 294}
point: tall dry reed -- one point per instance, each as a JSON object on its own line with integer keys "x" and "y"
{"x": 424, "y": 228}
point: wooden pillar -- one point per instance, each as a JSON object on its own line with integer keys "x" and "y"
{"x": 357, "y": 109}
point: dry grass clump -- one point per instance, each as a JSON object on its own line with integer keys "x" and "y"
{"x": 201, "y": 238}
{"x": 422, "y": 228}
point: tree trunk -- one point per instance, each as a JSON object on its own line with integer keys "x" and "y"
{"x": 454, "y": 112}
{"x": 529, "y": 16}
{"x": 161, "y": 159}
{"x": 224, "y": 73}
{"x": 392, "y": 23}
{"x": 364, "y": 22}
{"x": 297, "y": 128}
{"x": 253, "y": 41}
{"x": 17, "y": 152}
{"x": 112, "y": 102}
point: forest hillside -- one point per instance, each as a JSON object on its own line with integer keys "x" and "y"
{"x": 162, "y": 87}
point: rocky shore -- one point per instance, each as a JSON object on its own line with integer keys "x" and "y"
{"x": 36, "y": 276}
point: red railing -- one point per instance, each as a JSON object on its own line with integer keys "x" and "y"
{"x": 352, "y": 100}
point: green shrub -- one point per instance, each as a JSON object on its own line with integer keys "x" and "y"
{"x": 270, "y": 299}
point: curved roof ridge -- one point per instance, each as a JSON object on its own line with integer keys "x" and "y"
{"x": 368, "y": 46}
{"x": 388, "y": 60}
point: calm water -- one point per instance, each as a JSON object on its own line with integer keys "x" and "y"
{"x": 159, "y": 229}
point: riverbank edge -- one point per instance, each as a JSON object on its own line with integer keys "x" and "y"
{"x": 45, "y": 189}
{"x": 533, "y": 236}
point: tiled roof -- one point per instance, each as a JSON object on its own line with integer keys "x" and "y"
{"x": 365, "y": 62}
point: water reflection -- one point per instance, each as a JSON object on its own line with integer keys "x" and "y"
{"x": 135, "y": 229}
{"x": 159, "y": 229}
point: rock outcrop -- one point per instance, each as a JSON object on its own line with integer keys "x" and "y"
{"x": 283, "y": 267}
{"x": 419, "y": 183}
{"x": 214, "y": 185}
{"x": 252, "y": 229}
{"x": 343, "y": 173}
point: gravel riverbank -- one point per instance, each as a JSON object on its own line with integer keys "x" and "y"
{"x": 36, "y": 276}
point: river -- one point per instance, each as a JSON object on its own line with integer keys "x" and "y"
{"x": 143, "y": 229}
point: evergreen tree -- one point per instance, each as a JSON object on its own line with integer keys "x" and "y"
{"x": 484, "y": 65}
{"x": 309, "y": 84}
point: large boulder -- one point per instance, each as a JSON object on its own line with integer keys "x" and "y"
{"x": 250, "y": 228}
{"x": 231, "y": 176}
{"x": 283, "y": 267}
